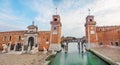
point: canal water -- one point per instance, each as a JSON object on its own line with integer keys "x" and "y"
{"x": 75, "y": 57}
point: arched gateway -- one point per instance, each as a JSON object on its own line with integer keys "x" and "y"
{"x": 30, "y": 39}
{"x": 31, "y": 42}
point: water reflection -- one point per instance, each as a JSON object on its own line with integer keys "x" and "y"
{"x": 74, "y": 56}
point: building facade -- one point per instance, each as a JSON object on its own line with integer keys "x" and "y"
{"x": 101, "y": 35}
{"x": 27, "y": 39}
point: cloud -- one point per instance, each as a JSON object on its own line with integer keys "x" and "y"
{"x": 8, "y": 19}
{"x": 106, "y": 13}
{"x": 72, "y": 12}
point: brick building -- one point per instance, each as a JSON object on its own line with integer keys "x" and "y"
{"x": 101, "y": 35}
{"x": 16, "y": 40}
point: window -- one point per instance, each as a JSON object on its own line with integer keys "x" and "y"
{"x": 47, "y": 42}
{"x": 101, "y": 43}
{"x": 100, "y": 30}
{"x": 19, "y": 38}
{"x": 116, "y": 43}
{"x": 54, "y": 28}
{"x": 10, "y": 38}
{"x": 55, "y": 19}
{"x": 111, "y": 43}
{"x": 90, "y": 20}
{"x": 4, "y": 39}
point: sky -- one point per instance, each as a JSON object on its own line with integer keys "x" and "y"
{"x": 18, "y": 14}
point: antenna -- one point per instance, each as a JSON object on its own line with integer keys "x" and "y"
{"x": 32, "y": 22}
{"x": 56, "y": 10}
{"x": 89, "y": 11}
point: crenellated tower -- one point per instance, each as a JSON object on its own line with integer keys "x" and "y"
{"x": 91, "y": 34}
{"x": 55, "y": 36}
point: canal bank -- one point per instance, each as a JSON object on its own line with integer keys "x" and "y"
{"x": 50, "y": 58}
{"x": 76, "y": 57}
{"x": 106, "y": 59}
{"x": 109, "y": 53}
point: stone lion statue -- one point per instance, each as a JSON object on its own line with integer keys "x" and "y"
{"x": 34, "y": 50}
{"x": 4, "y": 48}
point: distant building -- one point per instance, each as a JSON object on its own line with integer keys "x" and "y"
{"x": 32, "y": 37}
{"x": 101, "y": 35}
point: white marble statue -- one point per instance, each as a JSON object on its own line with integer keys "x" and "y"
{"x": 4, "y": 48}
{"x": 53, "y": 52}
{"x": 44, "y": 50}
{"x": 34, "y": 50}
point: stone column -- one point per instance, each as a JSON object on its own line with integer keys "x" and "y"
{"x": 28, "y": 50}
{"x": 22, "y": 48}
{"x": 9, "y": 47}
{"x": 15, "y": 46}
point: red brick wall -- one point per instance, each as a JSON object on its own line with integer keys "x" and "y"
{"x": 108, "y": 34}
{"x": 14, "y": 37}
{"x": 104, "y": 34}
{"x": 43, "y": 37}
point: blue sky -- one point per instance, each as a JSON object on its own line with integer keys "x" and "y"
{"x": 18, "y": 14}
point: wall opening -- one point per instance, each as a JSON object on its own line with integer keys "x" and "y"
{"x": 31, "y": 42}
{"x": 111, "y": 43}
{"x": 116, "y": 43}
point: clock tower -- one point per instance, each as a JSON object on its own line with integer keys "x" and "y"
{"x": 55, "y": 39}
{"x": 91, "y": 34}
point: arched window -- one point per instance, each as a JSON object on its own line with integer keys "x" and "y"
{"x": 19, "y": 38}
{"x": 10, "y": 38}
{"x": 55, "y": 19}
{"x": 111, "y": 43}
{"x": 100, "y": 30}
{"x": 54, "y": 28}
{"x": 90, "y": 20}
{"x": 47, "y": 40}
{"x": 101, "y": 43}
{"x": 4, "y": 38}
{"x": 116, "y": 43}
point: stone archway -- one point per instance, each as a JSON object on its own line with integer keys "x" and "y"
{"x": 31, "y": 42}
{"x": 18, "y": 47}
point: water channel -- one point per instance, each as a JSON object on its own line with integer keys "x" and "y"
{"x": 75, "y": 57}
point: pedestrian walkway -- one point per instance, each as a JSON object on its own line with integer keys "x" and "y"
{"x": 110, "y": 51}
{"x": 23, "y": 59}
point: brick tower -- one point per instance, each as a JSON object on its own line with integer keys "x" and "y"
{"x": 91, "y": 34}
{"x": 55, "y": 33}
